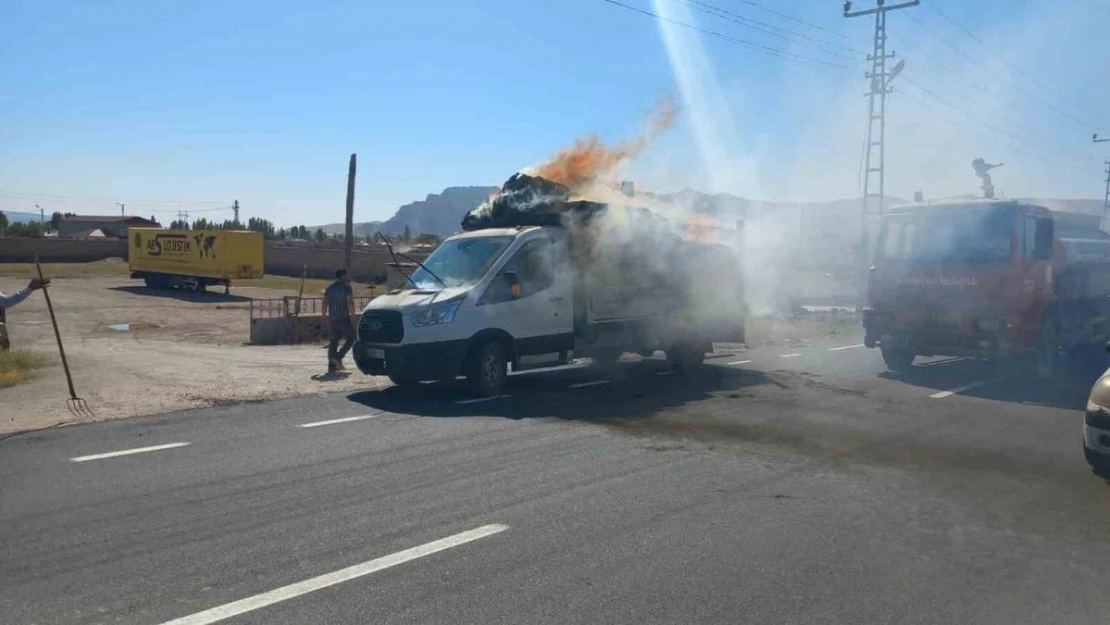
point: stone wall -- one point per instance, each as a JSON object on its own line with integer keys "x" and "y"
{"x": 20, "y": 250}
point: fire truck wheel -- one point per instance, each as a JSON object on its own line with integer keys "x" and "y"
{"x": 898, "y": 359}
{"x": 487, "y": 369}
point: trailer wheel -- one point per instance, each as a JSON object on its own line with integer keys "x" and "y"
{"x": 898, "y": 358}
{"x": 488, "y": 369}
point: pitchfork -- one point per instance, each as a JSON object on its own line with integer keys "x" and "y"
{"x": 77, "y": 406}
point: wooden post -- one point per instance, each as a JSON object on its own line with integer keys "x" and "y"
{"x": 350, "y": 211}
{"x": 300, "y": 293}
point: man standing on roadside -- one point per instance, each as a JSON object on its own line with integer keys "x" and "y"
{"x": 8, "y": 300}
{"x": 339, "y": 303}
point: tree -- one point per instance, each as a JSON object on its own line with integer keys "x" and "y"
{"x": 56, "y": 220}
{"x": 32, "y": 229}
{"x": 321, "y": 235}
{"x": 407, "y": 236}
{"x": 3, "y": 223}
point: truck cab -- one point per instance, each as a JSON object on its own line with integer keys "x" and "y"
{"x": 968, "y": 278}
{"x": 484, "y": 298}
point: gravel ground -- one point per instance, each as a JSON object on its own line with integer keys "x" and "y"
{"x": 179, "y": 351}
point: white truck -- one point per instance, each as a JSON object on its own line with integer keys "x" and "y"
{"x": 544, "y": 290}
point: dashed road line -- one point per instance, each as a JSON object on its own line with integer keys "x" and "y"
{"x": 837, "y": 349}
{"x": 789, "y": 355}
{"x": 271, "y": 597}
{"x": 127, "y": 452}
{"x": 463, "y": 402}
{"x": 317, "y": 424}
{"x": 588, "y": 384}
{"x": 960, "y": 389}
{"x": 739, "y": 362}
{"x": 668, "y": 372}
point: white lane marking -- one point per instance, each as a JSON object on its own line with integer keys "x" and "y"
{"x": 789, "y": 355}
{"x": 127, "y": 452}
{"x": 739, "y": 362}
{"x": 586, "y": 384}
{"x": 480, "y": 399}
{"x": 942, "y": 362}
{"x": 249, "y": 604}
{"x": 664, "y": 373}
{"x": 837, "y": 349}
{"x": 960, "y": 389}
{"x": 343, "y": 420}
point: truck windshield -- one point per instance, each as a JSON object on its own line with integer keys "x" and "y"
{"x": 459, "y": 261}
{"x": 975, "y": 236}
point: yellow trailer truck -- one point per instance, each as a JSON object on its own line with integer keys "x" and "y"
{"x": 194, "y": 259}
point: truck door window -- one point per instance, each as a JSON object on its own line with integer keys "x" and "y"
{"x": 533, "y": 264}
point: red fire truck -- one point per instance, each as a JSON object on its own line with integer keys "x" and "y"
{"x": 988, "y": 279}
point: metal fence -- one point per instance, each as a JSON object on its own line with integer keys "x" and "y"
{"x": 292, "y": 306}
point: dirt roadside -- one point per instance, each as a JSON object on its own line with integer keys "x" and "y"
{"x": 135, "y": 352}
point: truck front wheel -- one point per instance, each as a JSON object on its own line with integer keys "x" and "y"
{"x": 898, "y": 358}
{"x": 487, "y": 369}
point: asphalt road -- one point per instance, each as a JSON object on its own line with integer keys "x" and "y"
{"x": 786, "y": 484}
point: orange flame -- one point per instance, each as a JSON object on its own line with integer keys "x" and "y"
{"x": 589, "y": 158}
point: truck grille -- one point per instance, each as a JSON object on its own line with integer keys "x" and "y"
{"x": 381, "y": 326}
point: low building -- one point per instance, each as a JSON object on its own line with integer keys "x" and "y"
{"x": 112, "y": 227}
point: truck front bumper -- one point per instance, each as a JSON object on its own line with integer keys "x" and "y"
{"x": 939, "y": 340}
{"x": 417, "y": 361}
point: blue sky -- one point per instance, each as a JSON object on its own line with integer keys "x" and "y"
{"x": 191, "y": 105}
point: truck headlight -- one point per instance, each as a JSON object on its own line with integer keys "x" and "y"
{"x": 989, "y": 325}
{"x": 435, "y": 314}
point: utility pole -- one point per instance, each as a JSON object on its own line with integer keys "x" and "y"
{"x": 879, "y": 80}
{"x": 121, "y": 210}
{"x": 350, "y": 212}
{"x": 1106, "y": 197}
{"x": 42, "y": 216}
{"x": 235, "y": 207}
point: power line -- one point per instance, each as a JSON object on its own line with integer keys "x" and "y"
{"x": 764, "y": 27}
{"x": 794, "y": 19}
{"x": 1032, "y": 95}
{"x": 749, "y": 44}
{"x": 929, "y": 93}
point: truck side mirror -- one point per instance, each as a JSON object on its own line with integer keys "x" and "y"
{"x": 1042, "y": 248}
{"x": 380, "y": 278}
{"x": 514, "y": 282}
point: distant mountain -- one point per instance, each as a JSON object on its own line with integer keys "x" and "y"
{"x": 24, "y": 217}
{"x": 439, "y": 213}
{"x": 361, "y": 229}
{"x": 823, "y": 229}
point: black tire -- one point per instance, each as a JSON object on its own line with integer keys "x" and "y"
{"x": 685, "y": 357}
{"x": 402, "y": 381}
{"x": 488, "y": 369}
{"x": 1100, "y": 464}
{"x": 898, "y": 358}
